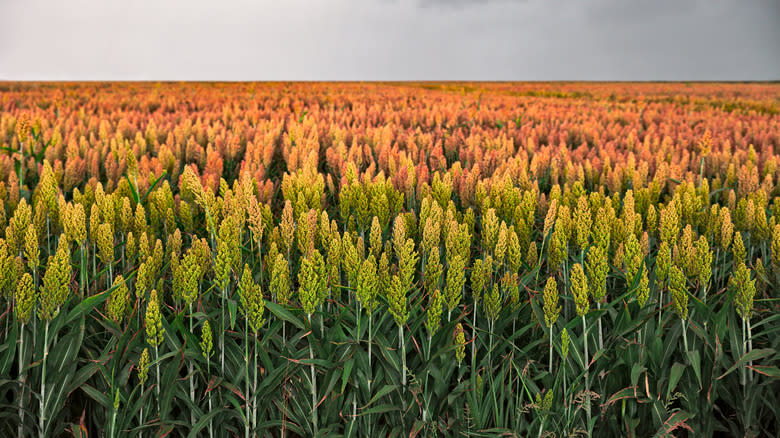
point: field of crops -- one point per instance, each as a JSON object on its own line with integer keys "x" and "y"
{"x": 412, "y": 259}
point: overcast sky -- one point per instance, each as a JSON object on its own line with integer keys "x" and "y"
{"x": 390, "y": 40}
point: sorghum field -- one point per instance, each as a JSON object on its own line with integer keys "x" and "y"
{"x": 315, "y": 259}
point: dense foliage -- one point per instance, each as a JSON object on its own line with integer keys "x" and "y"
{"x": 389, "y": 259}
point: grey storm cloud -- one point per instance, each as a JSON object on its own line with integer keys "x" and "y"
{"x": 390, "y": 40}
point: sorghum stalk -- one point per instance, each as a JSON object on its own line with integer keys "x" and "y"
{"x": 190, "y": 373}
{"x": 313, "y": 383}
{"x": 83, "y": 269}
{"x": 474, "y": 338}
{"x": 743, "y": 377}
{"x": 403, "y": 356}
{"x": 586, "y": 364}
{"x": 113, "y": 413}
{"x": 21, "y": 382}
{"x": 21, "y": 165}
{"x": 222, "y": 332}
{"x": 246, "y": 380}
{"x": 254, "y": 385}
{"x": 42, "y": 418}
{"x": 750, "y": 348}
{"x": 601, "y": 336}
{"x": 157, "y": 370}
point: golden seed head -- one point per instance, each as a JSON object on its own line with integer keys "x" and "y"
{"x": 24, "y": 301}
{"x": 433, "y": 312}
{"x": 31, "y": 250}
{"x": 206, "y": 342}
{"x": 745, "y": 290}
{"x": 663, "y": 262}
{"x": 679, "y": 290}
{"x": 105, "y": 244}
{"x": 368, "y": 284}
{"x": 312, "y": 280}
{"x": 143, "y": 366}
{"x": 492, "y": 303}
{"x": 565, "y": 343}
{"x": 56, "y": 282}
{"x": 643, "y": 291}
{"x": 459, "y": 339}
{"x": 23, "y": 127}
{"x": 252, "y": 301}
{"x": 551, "y": 307}
{"x": 118, "y": 303}
{"x": 155, "y": 333}
{"x": 579, "y": 288}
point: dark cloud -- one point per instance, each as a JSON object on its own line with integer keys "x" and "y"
{"x": 390, "y": 39}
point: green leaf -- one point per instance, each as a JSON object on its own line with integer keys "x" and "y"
{"x": 347, "y": 371}
{"x": 677, "y": 371}
{"x": 695, "y": 359}
{"x": 232, "y": 310}
{"x": 752, "y": 355}
{"x": 387, "y": 389}
{"x": 284, "y": 314}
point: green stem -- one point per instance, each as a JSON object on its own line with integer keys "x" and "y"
{"x": 21, "y": 165}
{"x": 601, "y": 336}
{"x": 743, "y": 376}
{"x": 750, "y": 347}
{"x": 83, "y": 270}
{"x": 246, "y": 374}
{"x": 192, "y": 381}
{"x": 313, "y": 384}
{"x": 42, "y": 418}
{"x": 208, "y": 371}
{"x": 474, "y": 339}
{"x": 586, "y": 365}
{"x": 254, "y": 385}
{"x": 222, "y": 333}
{"x": 157, "y": 367}
{"x": 551, "y": 349}
{"x": 113, "y": 420}
{"x": 141, "y": 414}
{"x": 21, "y": 382}
{"x": 403, "y": 364}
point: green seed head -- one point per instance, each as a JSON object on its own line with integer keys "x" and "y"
{"x": 25, "y": 298}
{"x": 551, "y": 307}
{"x": 155, "y": 333}
{"x": 143, "y": 366}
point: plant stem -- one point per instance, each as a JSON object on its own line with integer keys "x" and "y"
{"x": 21, "y": 382}
{"x": 474, "y": 339}
{"x": 21, "y": 165}
{"x": 403, "y": 365}
{"x": 141, "y": 414}
{"x": 750, "y": 347}
{"x": 586, "y": 364}
{"x": 157, "y": 367}
{"x": 42, "y": 419}
{"x": 208, "y": 371}
{"x": 246, "y": 374}
{"x": 113, "y": 421}
{"x": 192, "y": 381}
{"x": 313, "y": 383}
{"x": 222, "y": 333}
{"x": 551, "y": 349}
{"x": 83, "y": 270}
{"x": 743, "y": 376}
{"x": 601, "y": 337}
{"x": 254, "y": 385}
{"x": 685, "y": 335}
